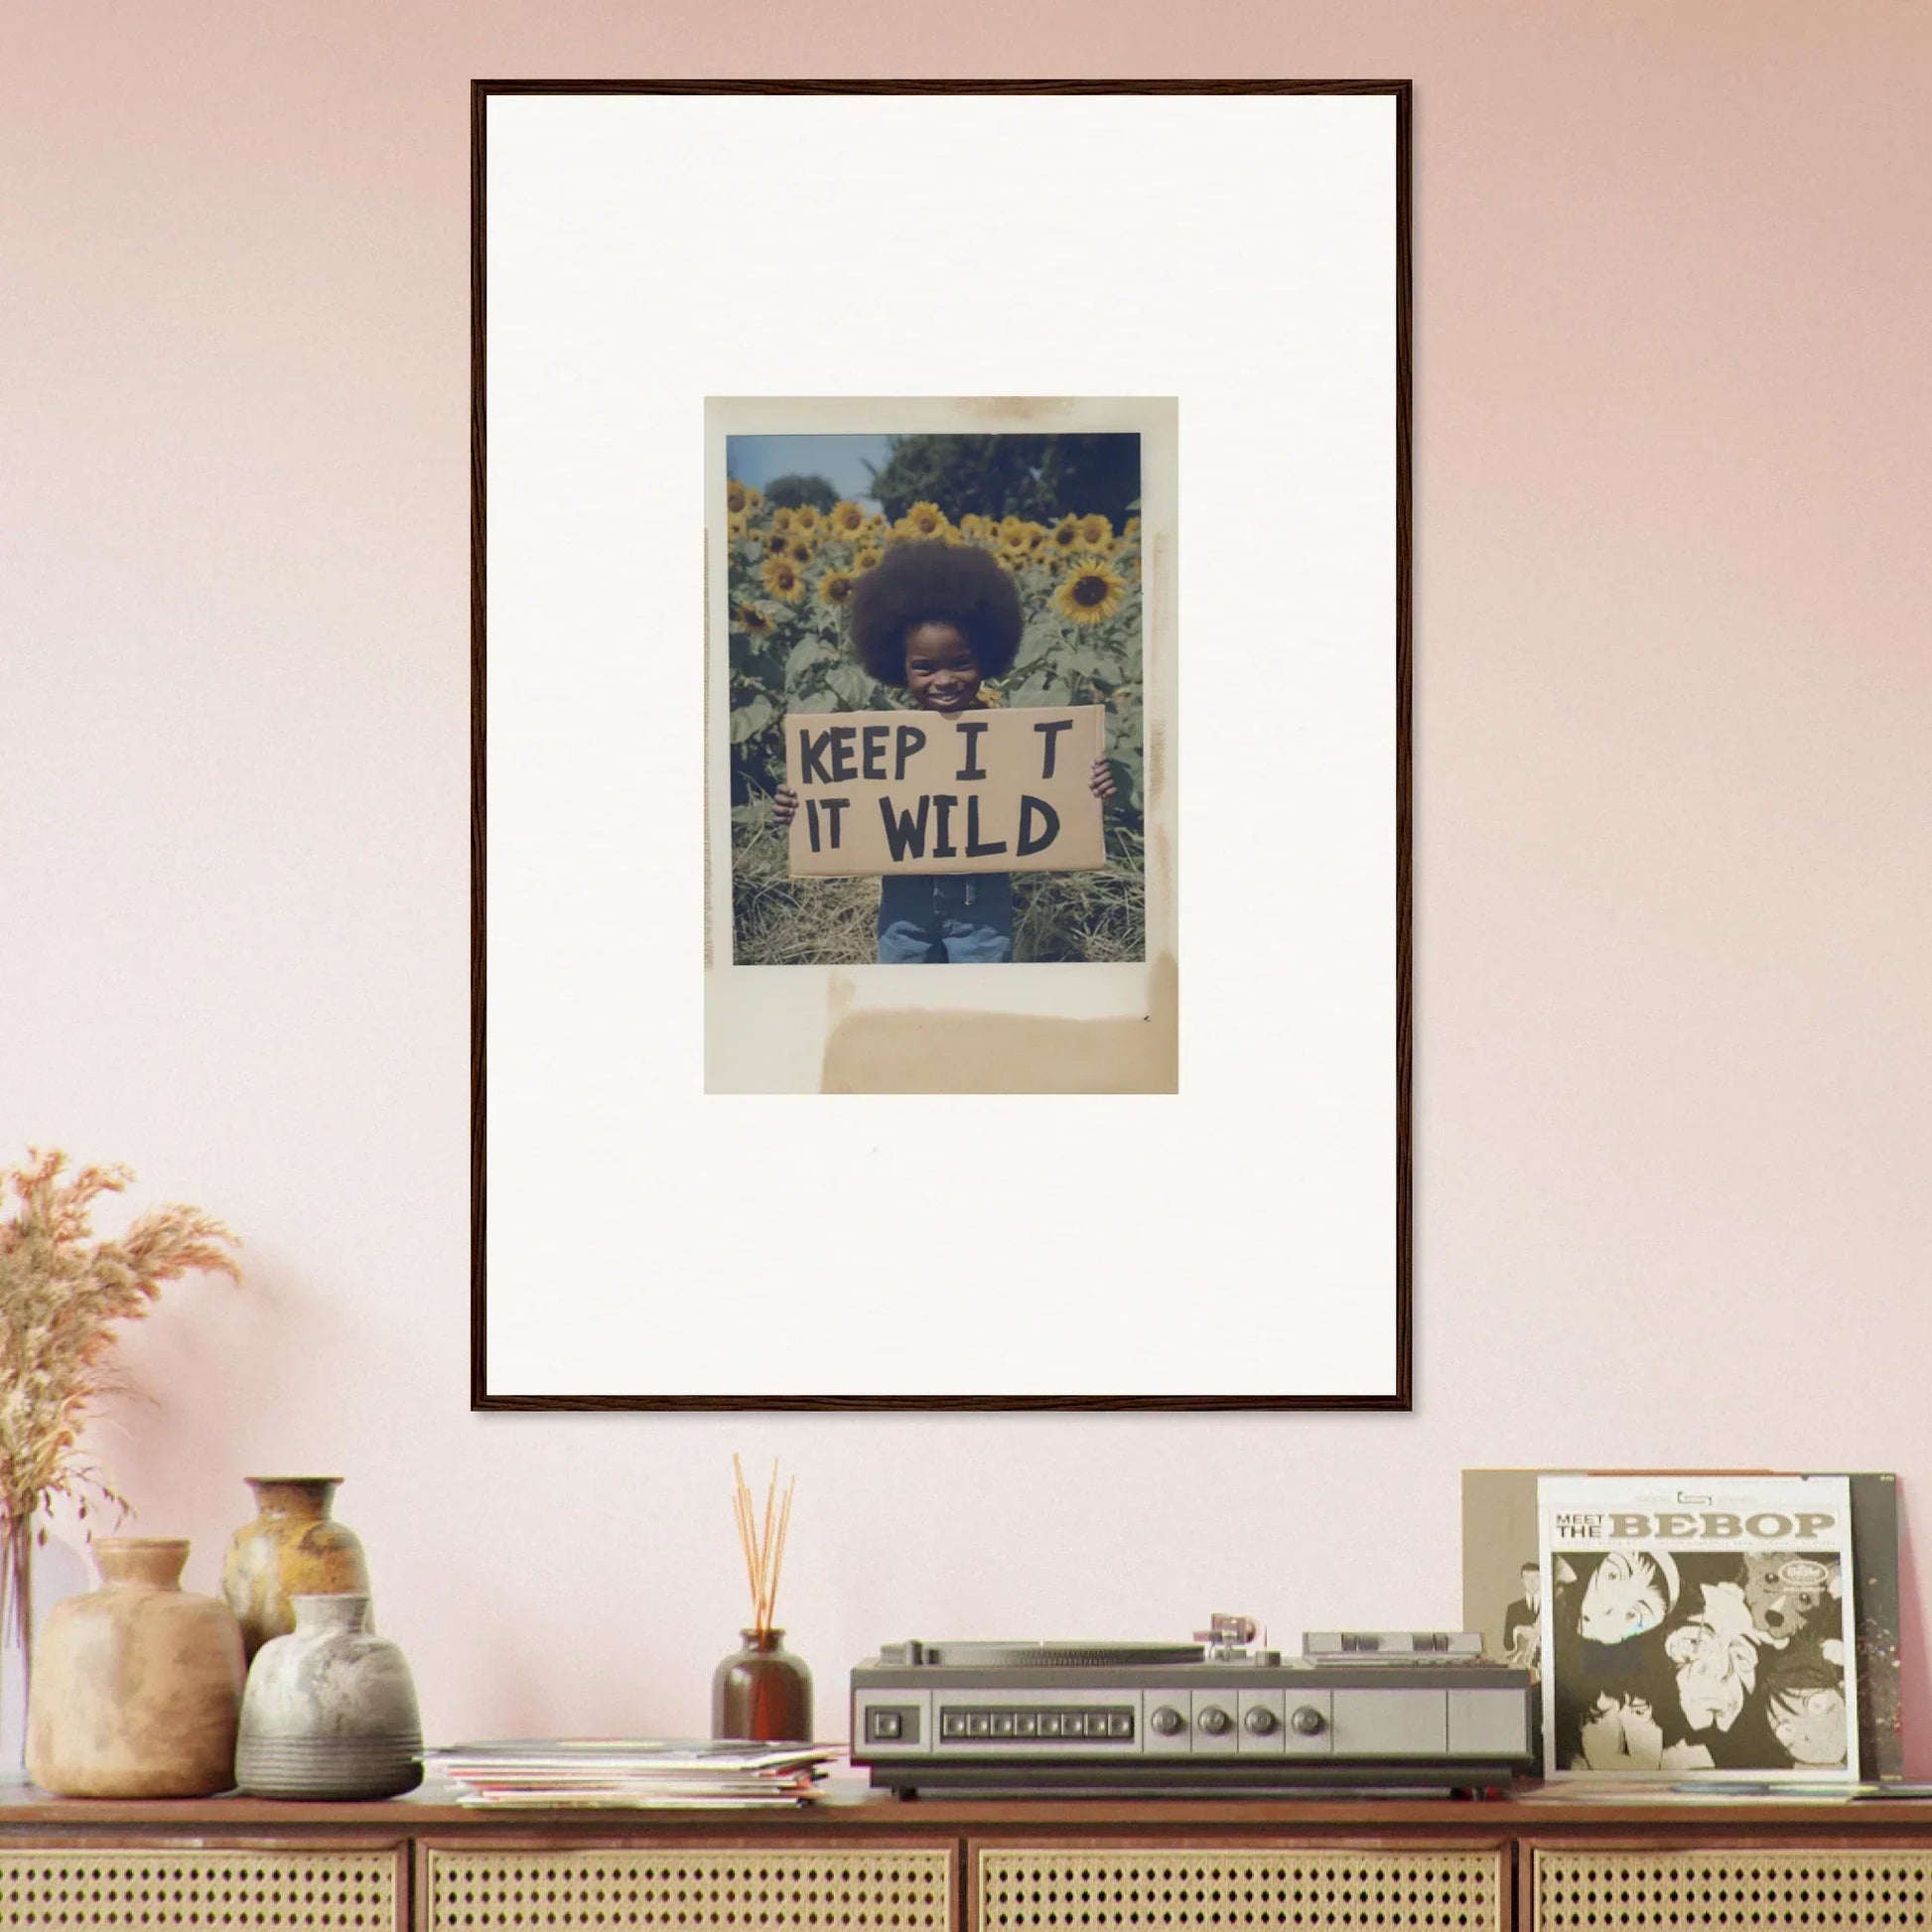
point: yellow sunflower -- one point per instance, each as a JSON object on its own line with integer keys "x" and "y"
{"x": 805, "y": 518}
{"x": 924, "y": 521}
{"x": 1096, "y": 533}
{"x": 990, "y": 696}
{"x": 1064, "y": 537}
{"x": 737, "y": 525}
{"x": 1130, "y": 530}
{"x": 782, "y": 578}
{"x": 1014, "y": 560}
{"x": 866, "y": 557}
{"x": 753, "y": 621}
{"x": 1013, "y": 534}
{"x": 835, "y": 587}
{"x": 1090, "y": 591}
{"x": 736, "y": 498}
{"x": 778, "y": 541}
{"x": 800, "y": 551}
{"x": 847, "y": 519}
{"x": 782, "y": 519}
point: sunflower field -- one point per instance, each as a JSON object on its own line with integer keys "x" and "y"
{"x": 790, "y": 575}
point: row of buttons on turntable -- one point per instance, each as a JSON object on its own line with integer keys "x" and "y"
{"x": 1113, "y": 1723}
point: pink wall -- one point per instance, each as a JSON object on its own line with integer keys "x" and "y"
{"x": 1675, "y": 824}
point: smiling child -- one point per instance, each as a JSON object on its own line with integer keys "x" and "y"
{"x": 937, "y": 620}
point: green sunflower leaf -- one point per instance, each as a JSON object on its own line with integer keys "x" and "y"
{"x": 750, "y": 719}
{"x": 1040, "y": 636}
{"x": 805, "y": 657}
{"x": 851, "y": 686}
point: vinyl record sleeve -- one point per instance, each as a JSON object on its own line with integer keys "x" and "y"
{"x": 1698, "y": 1628}
{"x": 1502, "y": 1589}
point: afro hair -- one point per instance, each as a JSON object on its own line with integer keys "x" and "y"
{"x": 929, "y": 581}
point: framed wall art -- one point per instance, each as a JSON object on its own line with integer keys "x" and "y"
{"x": 884, "y": 493}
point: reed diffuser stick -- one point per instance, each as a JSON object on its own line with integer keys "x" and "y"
{"x": 763, "y": 1541}
{"x": 779, "y": 1550}
{"x": 742, "y": 1510}
{"x": 764, "y": 1546}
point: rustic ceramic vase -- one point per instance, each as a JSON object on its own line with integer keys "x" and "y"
{"x": 763, "y": 1692}
{"x": 329, "y": 1710}
{"x": 292, "y": 1547}
{"x": 137, "y": 1688}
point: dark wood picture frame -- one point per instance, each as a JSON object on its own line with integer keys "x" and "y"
{"x": 1401, "y": 1398}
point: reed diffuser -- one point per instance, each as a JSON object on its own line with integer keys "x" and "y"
{"x": 763, "y": 1692}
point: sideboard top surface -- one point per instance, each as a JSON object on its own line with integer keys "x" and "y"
{"x": 858, "y": 1811}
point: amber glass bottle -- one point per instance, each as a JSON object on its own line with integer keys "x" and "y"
{"x": 763, "y": 1692}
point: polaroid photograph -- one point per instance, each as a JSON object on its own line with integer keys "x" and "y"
{"x": 937, "y": 660}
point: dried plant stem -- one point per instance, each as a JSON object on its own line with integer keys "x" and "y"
{"x": 63, "y": 1296}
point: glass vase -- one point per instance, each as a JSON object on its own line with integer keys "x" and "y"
{"x": 39, "y": 1568}
{"x": 16, "y": 1644}
{"x": 763, "y": 1692}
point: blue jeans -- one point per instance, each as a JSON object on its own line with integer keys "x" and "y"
{"x": 940, "y": 919}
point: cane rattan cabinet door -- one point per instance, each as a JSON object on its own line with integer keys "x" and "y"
{"x": 136, "y": 1887}
{"x": 1847, "y": 1888}
{"x": 1195, "y": 1890}
{"x": 690, "y": 1888}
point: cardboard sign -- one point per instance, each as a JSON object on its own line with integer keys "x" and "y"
{"x": 926, "y": 792}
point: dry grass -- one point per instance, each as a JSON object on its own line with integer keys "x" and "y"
{"x": 778, "y": 920}
{"x": 1085, "y": 915}
{"x": 62, "y": 1299}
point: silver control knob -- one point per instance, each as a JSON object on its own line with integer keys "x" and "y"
{"x": 1260, "y": 1720}
{"x": 1166, "y": 1721}
{"x": 1215, "y": 1722}
{"x": 1309, "y": 1720}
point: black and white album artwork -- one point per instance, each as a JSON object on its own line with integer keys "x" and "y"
{"x": 1693, "y": 1635}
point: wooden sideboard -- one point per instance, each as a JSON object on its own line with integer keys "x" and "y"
{"x": 866, "y": 1864}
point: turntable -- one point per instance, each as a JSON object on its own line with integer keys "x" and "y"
{"x": 1402, "y": 1710}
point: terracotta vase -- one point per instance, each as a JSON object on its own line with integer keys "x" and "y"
{"x": 763, "y": 1692}
{"x": 294, "y": 1546}
{"x": 329, "y": 1710}
{"x": 137, "y": 1688}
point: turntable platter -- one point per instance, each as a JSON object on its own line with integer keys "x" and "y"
{"x": 1063, "y": 1655}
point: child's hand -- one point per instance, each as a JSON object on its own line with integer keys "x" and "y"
{"x": 1102, "y": 780}
{"x": 785, "y": 806}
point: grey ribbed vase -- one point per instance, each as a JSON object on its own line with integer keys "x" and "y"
{"x": 329, "y": 1710}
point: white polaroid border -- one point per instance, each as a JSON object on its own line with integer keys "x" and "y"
{"x": 1238, "y": 1242}
{"x": 817, "y": 1028}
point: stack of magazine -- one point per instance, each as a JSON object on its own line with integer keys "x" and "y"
{"x": 682, "y": 1773}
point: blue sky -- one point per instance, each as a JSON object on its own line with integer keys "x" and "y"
{"x": 840, "y": 460}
